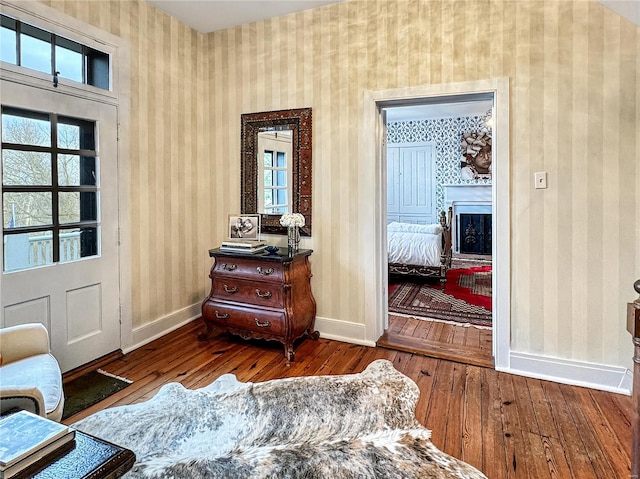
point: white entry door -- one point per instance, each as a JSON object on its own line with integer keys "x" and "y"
{"x": 60, "y": 220}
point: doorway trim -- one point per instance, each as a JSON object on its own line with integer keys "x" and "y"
{"x": 373, "y": 146}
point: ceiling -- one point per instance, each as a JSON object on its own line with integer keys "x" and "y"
{"x": 211, "y": 15}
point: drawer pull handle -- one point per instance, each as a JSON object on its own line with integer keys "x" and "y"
{"x": 229, "y": 290}
{"x": 263, "y": 295}
{"x": 265, "y": 272}
{"x": 266, "y": 324}
{"x": 222, "y": 316}
{"x": 229, "y": 267}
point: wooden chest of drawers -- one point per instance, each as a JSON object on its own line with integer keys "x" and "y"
{"x": 261, "y": 296}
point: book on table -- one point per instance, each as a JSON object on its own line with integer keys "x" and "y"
{"x": 26, "y": 438}
{"x": 249, "y": 245}
{"x": 244, "y": 250}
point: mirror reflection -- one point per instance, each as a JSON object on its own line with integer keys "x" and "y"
{"x": 274, "y": 172}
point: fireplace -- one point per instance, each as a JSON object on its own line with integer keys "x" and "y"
{"x": 474, "y": 201}
{"x": 474, "y": 233}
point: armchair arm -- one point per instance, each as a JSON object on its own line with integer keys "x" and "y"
{"x": 23, "y": 341}
{"x": 26, "y": 398}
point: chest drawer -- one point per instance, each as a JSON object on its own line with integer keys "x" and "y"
{"x": 228, "y": 288}
{"x": 249, "y": 268}
{"x": 258, "y": 320}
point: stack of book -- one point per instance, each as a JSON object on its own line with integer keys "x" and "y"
{"x": 31, "y": 442}
{"x": 249, "y": 247}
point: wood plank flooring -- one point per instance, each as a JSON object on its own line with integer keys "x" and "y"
{"x": 467, "y": 345}
{"x": 507, "y": 426}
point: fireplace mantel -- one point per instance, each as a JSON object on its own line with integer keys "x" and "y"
{"x": 467, "y": 194}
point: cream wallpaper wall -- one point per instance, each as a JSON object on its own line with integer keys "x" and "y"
{"x": 575, "y": 113}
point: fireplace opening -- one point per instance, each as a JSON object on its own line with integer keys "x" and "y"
{"x": 474, "y": 233}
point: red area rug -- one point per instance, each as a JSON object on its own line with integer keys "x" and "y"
{"x": 466, "y": 299}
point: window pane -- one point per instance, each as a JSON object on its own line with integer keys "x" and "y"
{"x": 97, "y": 69}
{"x": 26, "y": 168}
{"x": 69, "y": 59}
{"x": 268, "y": 197}
{"x": 76, "y": 170}
{"x": 75, "y": 134}
{"x": 282, "y": 197}
{"x": 27, "y": 250}
{"x": 76, "y": 206}
{"x": 268, "y": 177}
{"x": 282, "y": 178}
{"x": 282, "y": 159}
{"x": 78, "y": 243}
{"x": 26, "y": 209}
{"x": 8, "y": 40}
{"x": 25, "y": 130}
{"x": 268, "y": 159}
{"x": 35, "y": 49}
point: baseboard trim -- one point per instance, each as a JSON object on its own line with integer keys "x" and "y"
{"x": 344, "y": 331}
{"x": 148, "y": 332}
{"x": 614, "y": 379}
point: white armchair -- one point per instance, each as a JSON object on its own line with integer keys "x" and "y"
{"x": 30, "y": 376}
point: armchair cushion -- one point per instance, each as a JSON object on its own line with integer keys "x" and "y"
{"x": 30, "y": 376}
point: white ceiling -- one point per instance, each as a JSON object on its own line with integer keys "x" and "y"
{"x": 211, "y": 15}
{"x": 439, "y": 110}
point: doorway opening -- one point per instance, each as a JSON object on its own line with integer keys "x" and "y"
{"x": 450, "y": 318}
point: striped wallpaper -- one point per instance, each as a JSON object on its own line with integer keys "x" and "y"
{"x": 575, "y": 113}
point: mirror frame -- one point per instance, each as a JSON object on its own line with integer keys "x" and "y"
{"x": 299, "y": 121}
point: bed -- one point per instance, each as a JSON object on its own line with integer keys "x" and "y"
{"x": 420, "y": 250}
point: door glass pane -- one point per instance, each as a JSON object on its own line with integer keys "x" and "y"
{"x": 35, "y": 49}
{"x": 26, "y": 209}
{"x": 75, "y": 134}
{"x": 282, "y": 197}
{"x": 282, "y": 160}
{"x": 282, "y": 178}
{"x": 27, "y": 250}
{"x": 69, "y": 59}
{"x": 33, "y": 129}
{"x": 76, "y": 170}
{"x": 268, "y": 197}
{"x": 8, "y": 40}
{"x": 76, "y": 243}
{"x": 26, "y": 168}
{"x": 76, "y": 206}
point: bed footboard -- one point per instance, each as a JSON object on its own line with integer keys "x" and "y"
{"x": 633, "y": 326}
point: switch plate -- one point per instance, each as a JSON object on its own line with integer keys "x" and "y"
{"x": 540, "y": 179}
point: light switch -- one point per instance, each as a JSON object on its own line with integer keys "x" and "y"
{"x": 540, "y": 179}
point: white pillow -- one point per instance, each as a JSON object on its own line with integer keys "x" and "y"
{"x": 433, "y": 229}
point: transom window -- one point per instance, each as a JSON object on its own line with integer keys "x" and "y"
{"x": 50, "y": 180}
{"x": 31, "y": 47}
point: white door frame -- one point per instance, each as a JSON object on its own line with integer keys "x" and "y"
{"x": 373, "y": 142}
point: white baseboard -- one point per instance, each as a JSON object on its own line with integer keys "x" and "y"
{"x": 614, "y": 379}
{"x": 344, "y": 331}
{"x": 148, "y": 332}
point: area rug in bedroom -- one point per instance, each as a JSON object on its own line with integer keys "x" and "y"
{"x": 427, "y": 301}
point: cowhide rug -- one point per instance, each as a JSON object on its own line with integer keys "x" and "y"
{"x": 352, "y": 426}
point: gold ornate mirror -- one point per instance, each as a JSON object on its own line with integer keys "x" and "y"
{"x": 275, "y": 167}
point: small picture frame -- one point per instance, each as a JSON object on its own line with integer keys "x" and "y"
{"x": 244, "y": 227}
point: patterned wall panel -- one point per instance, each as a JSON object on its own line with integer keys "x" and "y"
{"x": 446, "y": 134}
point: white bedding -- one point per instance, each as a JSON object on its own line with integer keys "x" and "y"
{"x": 414, "y": 244}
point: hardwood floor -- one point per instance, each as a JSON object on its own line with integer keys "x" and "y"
{"x": 507, "y": 426}
{"x": 467, "y": 345}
